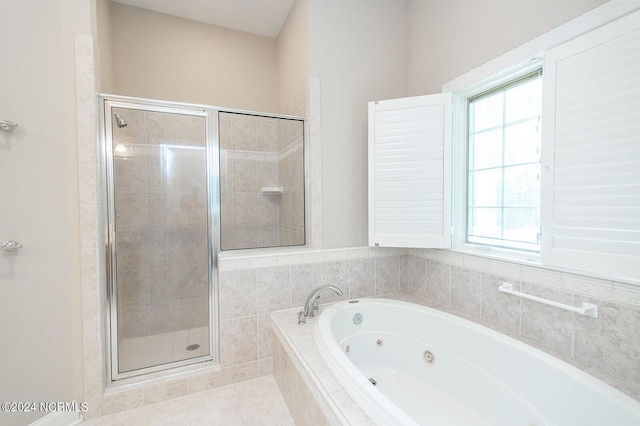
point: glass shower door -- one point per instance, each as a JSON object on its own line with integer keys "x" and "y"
{"x": 160, "y": 245}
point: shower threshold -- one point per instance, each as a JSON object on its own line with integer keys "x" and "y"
{"x": 157, "y": 349}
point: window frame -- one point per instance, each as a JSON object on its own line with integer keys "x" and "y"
{"x": 517, "y": 81}
{"x": 493, "y": 74}
{"x": 460, "y": 158}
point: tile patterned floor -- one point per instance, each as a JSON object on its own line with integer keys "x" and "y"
{"x": 253, "y": 402}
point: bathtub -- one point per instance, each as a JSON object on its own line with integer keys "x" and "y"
{"x": 406, "y": 364}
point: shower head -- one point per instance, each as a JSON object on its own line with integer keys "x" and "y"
{"x": 120, "y": 121}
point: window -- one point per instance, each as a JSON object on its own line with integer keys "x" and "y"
{"x": 545, "y": 154}
{"x": 504, "y": 165}
{"x": 587, "y": 180}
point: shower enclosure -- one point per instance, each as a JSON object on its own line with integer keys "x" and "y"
{"x": 162, "y": 216}
{"x": 175, "y": 175}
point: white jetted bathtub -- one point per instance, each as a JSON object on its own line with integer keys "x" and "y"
{"x": 407, "y": 364}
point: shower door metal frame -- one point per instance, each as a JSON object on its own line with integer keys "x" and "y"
{"x": 306, "y": 181}
{"x": 106, "y": 103}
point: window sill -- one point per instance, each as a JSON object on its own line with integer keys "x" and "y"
{"x": 533, "y": 260}
{"x": 497, "y": 253}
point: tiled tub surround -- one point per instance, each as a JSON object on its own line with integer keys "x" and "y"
{"x": 254, "y": 286}
{"x": 314, "y": 396}
{"x": 251, "y": 287}
{"x": 258, "y": 152}
{"x": 607, "y": 347}
{"x": 311, "y": 392}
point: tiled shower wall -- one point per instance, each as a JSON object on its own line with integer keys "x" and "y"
{"x": 161, "y": 219}
{"x": 248, "y": 162}
{"x": 291, "y": 178}
{"x": 258, "y": 152}
{"x": 607, "y": 347}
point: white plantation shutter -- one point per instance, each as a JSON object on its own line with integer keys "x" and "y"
{"x": 409, "y": 172}
{"x": 591, "y": 166}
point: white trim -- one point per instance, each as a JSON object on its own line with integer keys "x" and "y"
{"x": 280, "y": 256}
{"x": 313, "y": 164}
{"x": 292, "y": 148}
{"x": 144, "y": 150}
{"x": 59, "y": 419}
{"x": 232, "y": 154}
{"x": 499, "y": 252}
{"x": 459, "y": 161}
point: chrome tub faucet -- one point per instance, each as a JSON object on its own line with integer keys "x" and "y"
{"x": 311, "y": 305}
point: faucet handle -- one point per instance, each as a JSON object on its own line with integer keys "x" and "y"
{"x": 311, "y": 305}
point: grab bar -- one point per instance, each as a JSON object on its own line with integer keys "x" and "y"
{"x": 588, "y": 309}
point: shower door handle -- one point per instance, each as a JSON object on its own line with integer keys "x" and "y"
{"x": 11, "y": 245}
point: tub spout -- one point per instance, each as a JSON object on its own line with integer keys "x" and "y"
{"x": 311, "y": 305}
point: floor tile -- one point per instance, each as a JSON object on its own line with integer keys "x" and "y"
{"x": 252, "y": 402}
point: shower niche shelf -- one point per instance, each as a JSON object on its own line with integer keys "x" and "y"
{"x": 272, "y": 190}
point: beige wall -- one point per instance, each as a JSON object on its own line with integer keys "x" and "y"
{"x": 102, "y": 40}
{"x": 41, "y": 356}
{"x": 358, "y": 50}
{"x": 163, "y": 57}
{"x": 293, "y": 56}
{"x": 450, "y": 38}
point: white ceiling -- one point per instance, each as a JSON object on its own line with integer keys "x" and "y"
{"x": 262, "y": 17}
